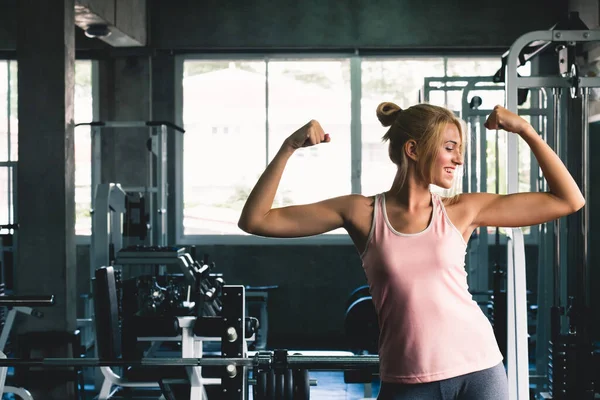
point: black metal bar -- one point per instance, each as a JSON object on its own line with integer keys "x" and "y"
{"x": 27, "y": 301}
{"x": 148, "y": 123}
{"x": 232, "y": 340}
{"x": 167, "y": 124}
{"x": 146, "y": 362}
{"x": 295, "y": 361}
{"x": 93, "y": 123}
{"x": 328, "y": 363}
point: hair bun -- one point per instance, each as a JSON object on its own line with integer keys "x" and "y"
{"x": 387, "y": 113}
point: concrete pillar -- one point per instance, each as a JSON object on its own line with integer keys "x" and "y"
{"x": 125, "y": 95}
{"x": 45, "y": 261}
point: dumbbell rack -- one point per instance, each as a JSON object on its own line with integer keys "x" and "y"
{"x": 229, "y": 327}
{"x": 273, "y": 377}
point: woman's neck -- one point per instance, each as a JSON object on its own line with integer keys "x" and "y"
{"x": 413, "y": 194}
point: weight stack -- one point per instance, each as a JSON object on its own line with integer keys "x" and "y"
{"x": 570, "y": 368}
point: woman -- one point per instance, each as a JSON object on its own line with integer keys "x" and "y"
{"x": 435, "y": 342}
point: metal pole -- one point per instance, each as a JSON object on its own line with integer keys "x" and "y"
{"x": 152, "y": 236}
{"x": 355, "y": 125}
{"x": 585, "y": 183}
{"x": 557, "y": 150}
{"x": 96, "y": 161}
{"x": 161, "y": 183}
{"x": 517, "y": 350}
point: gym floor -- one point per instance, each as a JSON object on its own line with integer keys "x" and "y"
{"x": 330, "y": 386}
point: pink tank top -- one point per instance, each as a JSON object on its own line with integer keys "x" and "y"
{"x": 430, "y": 327}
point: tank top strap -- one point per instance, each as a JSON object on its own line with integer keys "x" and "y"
{"x": 437, "y": 201}
{"x": 377, "y": 223}
{"x": 377, "y": 216}
{"x": 380, "y": 225}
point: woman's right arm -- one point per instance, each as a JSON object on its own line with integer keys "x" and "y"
{"x": 259, "y": 218}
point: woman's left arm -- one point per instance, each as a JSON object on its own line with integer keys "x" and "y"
{"x": 523, "y": 209}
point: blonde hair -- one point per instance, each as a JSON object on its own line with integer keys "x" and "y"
{"x": 423, "y": 123}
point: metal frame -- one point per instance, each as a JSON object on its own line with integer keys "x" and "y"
{"x": 479, "y": 277}
{"x": 26, "y": 308}
{"x": 107, "y": 223}
{"x": 514, "y": 82}
{"x": 516, "y": 289}
{"x": 517, "y": 345}
{"x": 107, "y": 226}
{"x": 158, "y": 212}
{"x": 471, "y": 84}
{"x": 8, "y": 324}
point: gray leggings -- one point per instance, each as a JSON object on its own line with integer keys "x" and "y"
{"x": 489, "y": 384}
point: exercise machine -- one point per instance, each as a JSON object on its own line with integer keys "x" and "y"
{"x": 570, "y": 347}
{"x": 147, "y": 213}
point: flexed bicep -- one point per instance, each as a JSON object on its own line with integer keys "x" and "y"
{"x": 516, "y": 210}
{"x": 302, "y": 220}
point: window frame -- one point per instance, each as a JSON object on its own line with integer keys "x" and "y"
{"x": 9, "y": 164}
{"x": 355, "y": 138}
{"x": 13, "y": 164}
{"x": 356, "y": 145}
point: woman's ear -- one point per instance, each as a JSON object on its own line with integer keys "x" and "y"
{"x": 410, "y": 148}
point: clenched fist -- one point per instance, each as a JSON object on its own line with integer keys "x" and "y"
{"x": 501, "y": 118}
{"x": 309, "y": 135}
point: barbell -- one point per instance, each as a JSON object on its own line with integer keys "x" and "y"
{"x": 260, "y": 360}
{"x": 276, "y": 375}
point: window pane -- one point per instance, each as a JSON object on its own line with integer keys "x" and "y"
{"x": 13, "y": 124}
{"x": 453, "y": 101}
{"x": 301, "y": 90}
{"x": 524, "y": 163}
{"x": 5, "y": 196}
{"x": 83, "y": 147}
{"x": 395, "y": 80}
{"x": 473, "y": 66}
{"x": 525, "y": 184}
{"x": 489, "y": 98}
{"x": 493, "y": 173}
{"x": 8, "y": 136}
{"x": 224, "y": 150}
{"x": 4, "y": 112}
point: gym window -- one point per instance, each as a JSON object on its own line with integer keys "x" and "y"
{"x": 85, "y": 75}
{"x": 9, "y": 143}
{"x": 263, "y": 100}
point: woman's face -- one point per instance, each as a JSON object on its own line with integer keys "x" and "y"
{"x": 449, "y": 157}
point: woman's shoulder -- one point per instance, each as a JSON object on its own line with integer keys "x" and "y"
{"x": 464, "y": 204}
{"x": 359, "y": 206}
{"x": 361, "y": 201}
{"x": 466, "y": 199}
